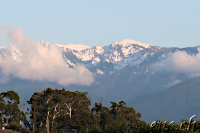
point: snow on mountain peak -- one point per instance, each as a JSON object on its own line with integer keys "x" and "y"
{"x": 77, "y": 47}
{"x": 128, "y": 42}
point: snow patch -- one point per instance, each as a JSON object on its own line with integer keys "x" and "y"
{"x": 77, "y": 47}
{"x": 107, "y": 60}
{"x": 16, "y": 54}
{"x": 99, "y": 49}
{"x": 99, "y": 72}
{"x": 115, "y": 56}
{"x": 127, "y": 42}
{"x": 198, "y": 48}
{"x": 96, "y": 60}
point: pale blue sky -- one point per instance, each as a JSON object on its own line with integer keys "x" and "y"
{"x": 101, "y": 22}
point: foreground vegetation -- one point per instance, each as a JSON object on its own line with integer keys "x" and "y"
{"x": 64, "y": 111}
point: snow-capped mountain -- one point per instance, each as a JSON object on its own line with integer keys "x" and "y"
{"x": 103, "y": 61}
{"x": 127, "y": 65}
{"x": 123, "y": 70}
{"x": 120, "y": 54}
{"x": 117, "y": 55}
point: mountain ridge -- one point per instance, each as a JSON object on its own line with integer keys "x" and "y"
{"x": 119, "y": 71}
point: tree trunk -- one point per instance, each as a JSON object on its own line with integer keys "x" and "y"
{"x": 47, "y": 122}
{"x": 69, "y": 106}
{"x": 6, "y": 120}
{"x": 34, "y": 119}
{"x": 70, "y": 112}
{"x": 2, "y": 120}
{"x": 47, "y": 125}
{"x": 54, "y": 116}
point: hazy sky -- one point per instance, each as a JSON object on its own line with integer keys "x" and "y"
{"x": 101, "y": 22}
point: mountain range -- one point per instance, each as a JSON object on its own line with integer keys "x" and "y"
{"x": 140, "y": 74}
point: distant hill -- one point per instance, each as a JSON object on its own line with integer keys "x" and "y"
{"x": 175, "y": 103}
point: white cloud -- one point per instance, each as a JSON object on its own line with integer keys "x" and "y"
{"x": 172, "y": 83}
{"x": 34, "y": 61}
{"x": 180, "y": 61}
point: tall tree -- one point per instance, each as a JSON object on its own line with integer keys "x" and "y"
{"x": 10, "y": 114}
{"x": 125, "y": 118}
{"x": 43, "y": 106}
{"x": 2, "y": 109}
{"x": 52, "y": 108}
{"x": 10, "y": 107}
{"x": 75, "y": 102}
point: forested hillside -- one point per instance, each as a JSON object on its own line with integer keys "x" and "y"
{"x": 178, "y": 102}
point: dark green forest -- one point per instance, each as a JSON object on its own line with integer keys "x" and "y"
{"x": 60, "y": 111}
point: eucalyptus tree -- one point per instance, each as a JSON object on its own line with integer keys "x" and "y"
{"x": 9, "y": 102}
{"x": 75, "y": 103}
{"x": 103, "y": 115}
{"x": 53, "y": 108}
{"x": 43, "y": 107}
{"x": 125, "y": 118}
{"x": 120, "y": 111}
{"x": 2, "y": 110}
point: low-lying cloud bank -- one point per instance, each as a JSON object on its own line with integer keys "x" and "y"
{"x": 180, "y": 61}
{"x": 27, "y": 59}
